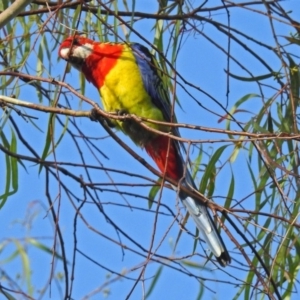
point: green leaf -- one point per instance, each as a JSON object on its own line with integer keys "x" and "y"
{"x": 75, "y": 15}
{"x": 153, "y": 192}
{"x": 14, "y": 162}
{"x": 295, "y": 79}
{"x": 230, "y": 192}
{"x": 256, "y": 78}
{"x": 197, "y": 162}
{"x": 11, "y": 178}
{"x": 44, "y": 248}
{"x": 193, "y": 264}
{"x": 154, "y": 281}
{"x": 201, "y": 292}
{"x": 10, "y": 258}
{"x": 6, "y": 294}
{"x": 25, "y": 264}
{"x": 293, "y": 40}
{"x": 184, "y": 221}
{"x": 211, "y": 183}
{"x": 4, "y": 196}
{"x": 62, "y": 133}
{"x": 209, "y": 169}
{"x": 236, "y": 106}
{"x": 238, "y": 146}
{"x": 48, "y": 142}
{"x": 270, "y": 122}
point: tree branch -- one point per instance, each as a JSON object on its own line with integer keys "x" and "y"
{"x": 12, "y": 11}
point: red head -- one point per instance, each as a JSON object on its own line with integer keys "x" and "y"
{"x": 92, "y": 58}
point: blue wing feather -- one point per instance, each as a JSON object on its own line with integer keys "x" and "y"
{"x": 152, "y": 80}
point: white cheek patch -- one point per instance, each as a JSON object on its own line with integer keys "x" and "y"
{"x": 83, "y": 51}
{"x": 77, "y": 52}
{"x": 78, "y": 55}
{"x": 64, "y": 53}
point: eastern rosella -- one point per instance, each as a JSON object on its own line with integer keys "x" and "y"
{"x": 127, "y": 78}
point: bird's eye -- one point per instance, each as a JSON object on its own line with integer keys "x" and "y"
{"x": 76, "y": 42}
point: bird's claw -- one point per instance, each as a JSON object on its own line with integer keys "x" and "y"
{"x": 95, "y": 116}
{"x": 121, "y": 112}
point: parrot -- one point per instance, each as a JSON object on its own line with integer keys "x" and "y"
{"x": 129, "y": 81}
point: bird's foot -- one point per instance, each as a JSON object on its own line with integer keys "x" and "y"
{"x": 96, "y": 117}
{"x": 121, "y": 112}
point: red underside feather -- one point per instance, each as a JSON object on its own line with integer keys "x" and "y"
{"x": 160, "y": 152}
